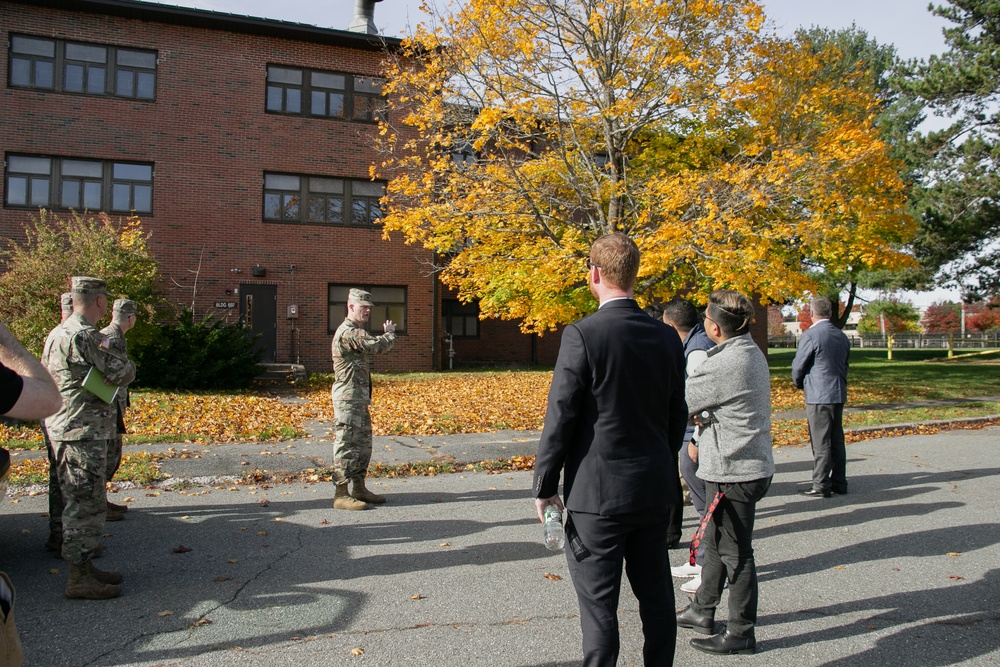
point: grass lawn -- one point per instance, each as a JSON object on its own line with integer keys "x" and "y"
{"x": 910, "y": 375}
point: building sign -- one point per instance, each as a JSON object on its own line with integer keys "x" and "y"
{"x": 225, "y": 304}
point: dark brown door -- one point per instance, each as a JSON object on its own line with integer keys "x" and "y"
{"x": 259, "y": 310}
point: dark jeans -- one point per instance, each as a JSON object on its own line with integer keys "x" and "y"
{"x": 639, "y": 542}
{"x": 729, "y": 555}
{"x": 696, "y": 485}
{"x": 826, "y": 434}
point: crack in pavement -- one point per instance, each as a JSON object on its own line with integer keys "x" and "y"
{"x": 190, "y": 628}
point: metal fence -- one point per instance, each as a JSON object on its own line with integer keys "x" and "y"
{"x": 980, "y": 340}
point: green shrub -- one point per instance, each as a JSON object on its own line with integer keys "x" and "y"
{"x": 208, "y": 354}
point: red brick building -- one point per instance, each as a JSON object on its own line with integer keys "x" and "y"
{"x": 244, "y": 145}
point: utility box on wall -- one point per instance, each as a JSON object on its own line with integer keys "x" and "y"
{"x": 293, "y": 311}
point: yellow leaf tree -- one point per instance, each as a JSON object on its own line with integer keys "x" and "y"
{"x": 524, "y": 130}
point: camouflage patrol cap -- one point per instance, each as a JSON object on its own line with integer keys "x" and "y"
{"x": 66, "y": 301}
{"x": 87, "y": 285}
{"x": 360, "y": 297}
{"x": 125, "y": 306}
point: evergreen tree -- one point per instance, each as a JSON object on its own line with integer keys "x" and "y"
{"x": 959, "y": 204}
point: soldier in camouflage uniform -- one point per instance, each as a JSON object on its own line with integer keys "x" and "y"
{"x": 80, "y": 433}
{"x": 123, "y": 316}
{"x": 353, "y": 352}
{"x": 54, "y": 542}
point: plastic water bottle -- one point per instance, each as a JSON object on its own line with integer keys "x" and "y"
{"x": 554, "y": 536}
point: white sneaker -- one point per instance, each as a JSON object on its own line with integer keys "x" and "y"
{"x": 685, "y": 570}
{"x": 691, "y": 586}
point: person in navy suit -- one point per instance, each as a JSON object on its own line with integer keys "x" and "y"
{"x": 614, "y": 424}
{"x": 820, "y": 367}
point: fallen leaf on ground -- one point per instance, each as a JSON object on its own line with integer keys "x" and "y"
{"x": 165, "y": 612}
{"x": 552, "y": 577}
{"x": 357, "y": 651}
{"x": 181, "y": 549}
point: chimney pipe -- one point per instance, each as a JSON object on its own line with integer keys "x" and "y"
{"x": 364, "y": 17}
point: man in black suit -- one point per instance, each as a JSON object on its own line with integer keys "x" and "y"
{"x": 820, "y": 367}
{"x": 615, "y": 422}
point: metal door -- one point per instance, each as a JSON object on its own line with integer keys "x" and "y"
{"x": 259, "y": 310}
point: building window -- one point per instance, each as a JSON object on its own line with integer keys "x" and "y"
{"x": 324, "y": 94}
{"x": 390, "y": 304}
{"x": 321, "y": 200}
{"x": 463, "y": 153}
{"x": 70, "y": 183}
{"x": 461, "y": 320}
{"x": 76, "y": 67}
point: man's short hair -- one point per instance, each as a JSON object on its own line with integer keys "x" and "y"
{"x": 618, "y": 258}
{"x": 822, "y": 308}
{"x": 682, "y": 314}
{"x": 731, "y": 310}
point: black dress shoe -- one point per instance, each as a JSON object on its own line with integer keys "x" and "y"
{"x": 813, "y": 493}
{"x": 726, "y": 644}
{"x": 689, "y": 618}
{"x": 840, "y": 492}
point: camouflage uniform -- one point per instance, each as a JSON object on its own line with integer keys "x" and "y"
{"x": 55, "y": 493}
{"x": 353, "y": 352}
{"x": 81, "y": 430}
{"x": 118, "y": 344}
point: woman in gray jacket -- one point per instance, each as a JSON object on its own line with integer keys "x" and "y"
{"x": 729, "y": 397}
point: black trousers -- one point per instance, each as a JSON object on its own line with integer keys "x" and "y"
{"x": 729, "y": 555}
{"x": 826, "y": 434}
{"x": 597, "y": 549}
{"x": 675, "y": 521}
{"x": 696, "y": 486}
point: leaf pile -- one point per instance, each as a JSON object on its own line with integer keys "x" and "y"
{"x": 216, "y": 417}
{"x": 438, "y": 403}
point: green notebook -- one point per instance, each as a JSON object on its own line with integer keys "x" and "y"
{"x": 94, "y": 383}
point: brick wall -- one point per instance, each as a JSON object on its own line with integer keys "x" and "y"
{"x": 210, "y": 141}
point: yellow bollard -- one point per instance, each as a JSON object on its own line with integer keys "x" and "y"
{"x": 951, "y": 345}
{"x": 890, "y": 347}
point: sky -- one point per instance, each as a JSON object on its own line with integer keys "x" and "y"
{"x": 906, "y": 24}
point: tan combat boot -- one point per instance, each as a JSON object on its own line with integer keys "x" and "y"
{"x": 117, "y": 508}
{"x": 361, "y": 493}
{"x": 102, "y": 576}
{"x": 342, "y": 500}
{"x": 84, "y": 586}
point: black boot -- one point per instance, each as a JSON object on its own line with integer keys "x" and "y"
{"x": 689, "y": 618}
{"x": 726, "y": 644}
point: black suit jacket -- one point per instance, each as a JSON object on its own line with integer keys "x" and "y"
{"x": 616, "y": 414}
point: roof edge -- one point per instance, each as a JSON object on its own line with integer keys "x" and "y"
{"x": 214, "y": 20}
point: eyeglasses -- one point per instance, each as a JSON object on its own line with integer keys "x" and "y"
{"x": 591, "y": 265}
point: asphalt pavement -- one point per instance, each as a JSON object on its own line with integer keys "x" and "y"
{"x": 904, "y": 570}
